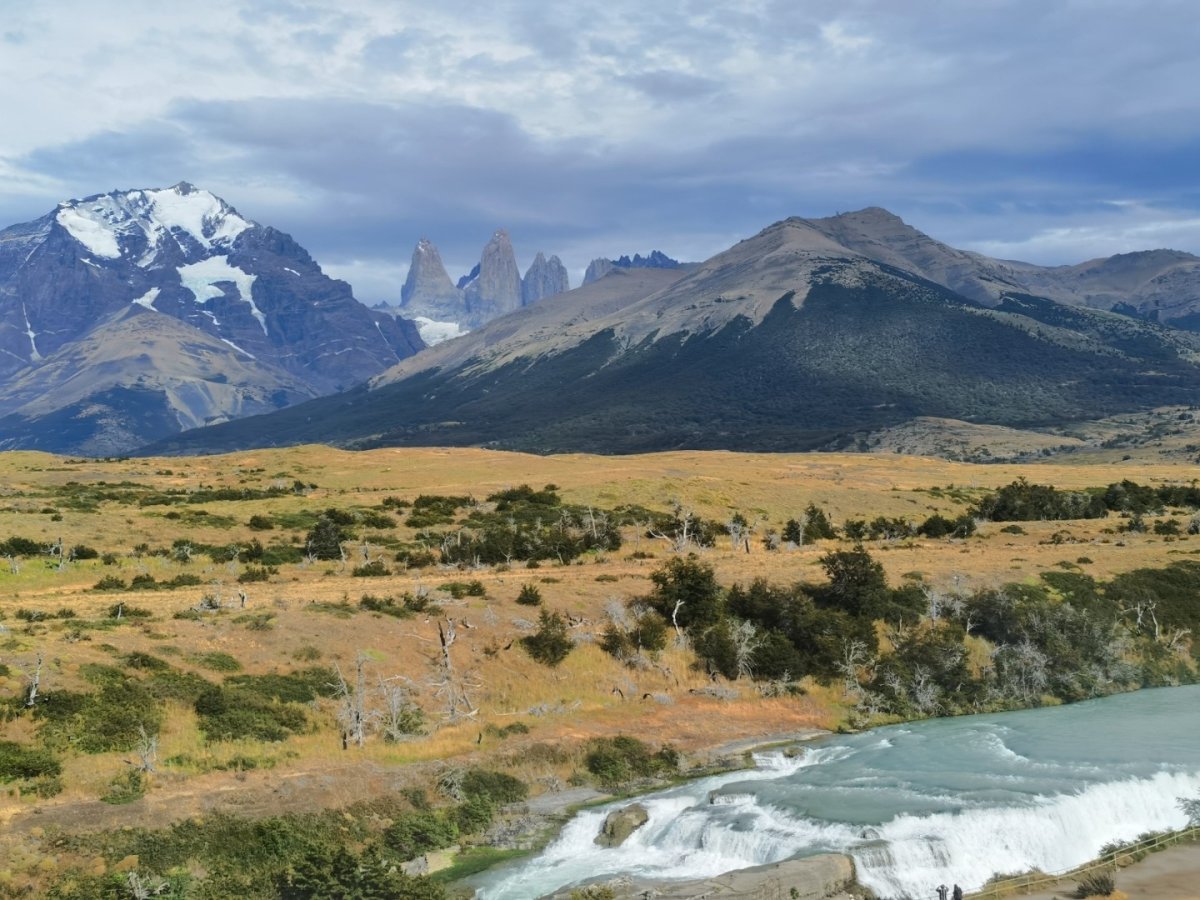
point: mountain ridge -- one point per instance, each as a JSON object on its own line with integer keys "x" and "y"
{"x": 797, "y": 337}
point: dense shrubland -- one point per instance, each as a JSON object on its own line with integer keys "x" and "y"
{"x": 916, "y": 650}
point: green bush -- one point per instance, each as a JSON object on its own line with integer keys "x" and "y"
{"x": 618, "y": 760}
{"x": 551, "y": 643}
{"x": 530, "y": 596}
{"x": 301, "y": 686}
{"x": 260, "y": 523}
{"x": 130, "y": 785}
{"x": 498, "y": 787}
{"x": 334, "y": 875}
{"x": 99, "y": 722}
{"x": 217, "y": 661}
{"x": 26, "y": 763}
{"x": 110, "y": 583}
{"x": 230, "y": 713}
{"x": 414, "y": 833}
{"x": 373, "y": 569}
{"x": 256, "y": 573}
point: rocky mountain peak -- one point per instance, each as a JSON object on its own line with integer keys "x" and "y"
{"x": 184, "y": 254}
{"x": 152, "y": 226}
{"x": 600, "y": 267}
{"x": 597, "y": 269}
{"x": 497, "y": 289}
{"x": 544, "y": 278}
{"x": 428, "y": 290}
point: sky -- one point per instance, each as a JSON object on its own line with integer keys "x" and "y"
{"x": 1051, "y": 131}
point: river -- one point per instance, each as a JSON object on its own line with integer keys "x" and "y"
{"x": 916, "y": 805}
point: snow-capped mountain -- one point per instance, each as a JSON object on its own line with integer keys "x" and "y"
{"x": 186, "y": 254}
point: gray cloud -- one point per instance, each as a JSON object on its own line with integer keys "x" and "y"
{"x": 601, "y": 128}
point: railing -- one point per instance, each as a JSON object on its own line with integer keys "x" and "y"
{"x": 1034, "y": 880}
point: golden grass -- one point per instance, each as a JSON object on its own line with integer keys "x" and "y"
{"x": 590, "y": 694}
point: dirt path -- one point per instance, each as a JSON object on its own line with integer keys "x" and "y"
{"x": 1171, "y": 874}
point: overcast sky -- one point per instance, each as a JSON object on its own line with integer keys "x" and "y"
{"x": 1049, "y": 130}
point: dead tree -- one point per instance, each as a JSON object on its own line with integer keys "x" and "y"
{"x": 400, "y": 718}
{"x": 447, "y": 683}
{"x": 854, "y": 657}
{"x": 147, "y": 751}
{"x": 35, "y": 683}
{"x": 746, "y": 641}
{"x": 352, "y": 713}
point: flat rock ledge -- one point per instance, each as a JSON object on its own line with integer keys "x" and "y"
{"x": 821, "y": 877}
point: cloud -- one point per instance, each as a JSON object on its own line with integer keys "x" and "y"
{"x": 597, "y": 128}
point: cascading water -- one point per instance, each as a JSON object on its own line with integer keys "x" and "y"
{"x": 916, "y": 805}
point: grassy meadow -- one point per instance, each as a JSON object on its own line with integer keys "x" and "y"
{"x": 183, "y": 619}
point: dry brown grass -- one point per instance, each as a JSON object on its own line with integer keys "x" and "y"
{"x": 589, "y": 695}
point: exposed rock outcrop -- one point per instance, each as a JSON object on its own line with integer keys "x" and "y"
{"x": 811, "y": 878}
{"x": 544, "y": 278}
{"x": 620, "y": 824}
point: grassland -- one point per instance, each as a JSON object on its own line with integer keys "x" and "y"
{"x": 307, "y": 613}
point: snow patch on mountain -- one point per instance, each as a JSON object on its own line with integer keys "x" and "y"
{"x": 433, "y": 332}
{"x": 101, "y": 223}
{"x": 91, "y": 231}
{"x": 147, "y": 299}
{"x": 204, "y": 278}
{"x": 32, "y": 335}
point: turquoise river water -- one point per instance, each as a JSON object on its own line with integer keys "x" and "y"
{"x": 916, "y": 805}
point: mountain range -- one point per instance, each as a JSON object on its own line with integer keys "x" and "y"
{"x": 493, "y": 288}
{"x": 806, "y": 335}
{"x": 126, "y": 317}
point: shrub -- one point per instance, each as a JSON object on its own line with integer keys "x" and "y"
{"x": 373, "y": 569}
{"x": 386, "y": 605}
{"x": 256, "y": 573}
{"x": 125, "y": 611}
{"x": 83, "y": 551}
{"x": 230, "y": 713}
{"x": 110, "y": 583}
{"x": 217, "y": 661}
{"x": 617, "y": 760}
{"x": 145, "y": 662}
{"x": 551, "y": 643}
{"x": 324, "y": 541}
{"x": 326, "y": 873}
{"x": 301, "y": 686}
{"x": 372, "y": 519}
{"x": 1096, "y": 884}
{"x": 414, "y": 833}
{"x": 26, "y": 763}
{"x": 99, "y": 722}
{"x": 130, "y": 785}
{"x": 530, "y": 596}
{"x": 497, "y": 787}
{"x": 260, "y": 523}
